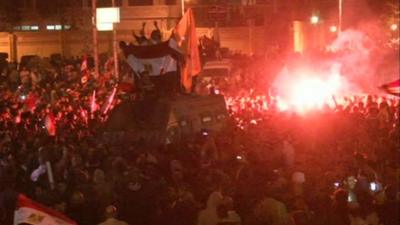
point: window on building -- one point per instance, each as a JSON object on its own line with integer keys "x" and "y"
{"x": 58, "y": 27}
{"x": 19, "y": 3}
{"x": 118, "y": 3}
{"x": 104, "y": 3}
{"x": 25, "y": 28}
{"x": 170, "y": 2}
{"x": 140, "y": 2}
{"x": 85, "y": 3}
{"x": 28, "y": 4}
{"x": 71, "y": 3}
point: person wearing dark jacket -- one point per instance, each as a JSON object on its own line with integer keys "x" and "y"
{"x": 339, "y": 213}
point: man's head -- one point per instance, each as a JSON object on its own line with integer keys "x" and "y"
{"x": 340, "y": 196}
{"x": 156, "y": 36}
{"x": 111, "y": 211}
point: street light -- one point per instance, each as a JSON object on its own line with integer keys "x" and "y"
{"x": 314, "y": 19}
{"x": 333, "y": 29}
{"x": 394, "y": 27}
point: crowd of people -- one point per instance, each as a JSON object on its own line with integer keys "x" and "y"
{"x": 334, "y": 166}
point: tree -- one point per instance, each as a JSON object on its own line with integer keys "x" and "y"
{"x": 10, "y": 15}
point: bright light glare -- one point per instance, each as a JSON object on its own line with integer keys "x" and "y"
{"x": 310, "y": 92}
{"x": 314, "y": 19}
{"x": 333, "y": 29}
{"x": 394, "y": 27}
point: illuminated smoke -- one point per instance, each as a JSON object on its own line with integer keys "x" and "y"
{"x": 311, "y": 82}
{"x": 353, "y": 52}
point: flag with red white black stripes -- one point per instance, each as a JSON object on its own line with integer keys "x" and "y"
{"x": 392, "y": 88}
{"x": 30, "y": 212}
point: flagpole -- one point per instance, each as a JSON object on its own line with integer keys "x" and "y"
{"x": 95, "y": 39}
{"x": 115, "y": 48}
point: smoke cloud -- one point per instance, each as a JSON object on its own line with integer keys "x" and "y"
{"x": 357, "y": 61}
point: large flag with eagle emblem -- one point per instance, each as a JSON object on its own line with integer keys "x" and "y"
{"x": 161, "y": 58}
{"x": 29, "y": 212}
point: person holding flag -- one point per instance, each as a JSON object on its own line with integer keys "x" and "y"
{"x": 161, "y": 61}
{"x": 17, "y": 209}
{"x": 30, "y": 212}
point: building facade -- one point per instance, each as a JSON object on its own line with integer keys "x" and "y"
{"x": 247, "y": 26}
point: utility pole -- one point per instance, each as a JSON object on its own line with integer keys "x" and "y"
{"x": 340, "y": 16}
{"x": 183, "y": 6}
{"x": 95, "y": 39}
{"x": 115, "y": 48}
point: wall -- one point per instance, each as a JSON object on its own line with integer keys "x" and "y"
{"x": 4, "y": 42}
{"x": 46, "y": 43}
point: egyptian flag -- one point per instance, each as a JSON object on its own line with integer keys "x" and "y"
{"x": 29, "y": 212}
{"x": 50, "y": 124}
{"x": 392, "y": 88}
{"x": 155, "y": 59}
{"x": 185, "y": 34}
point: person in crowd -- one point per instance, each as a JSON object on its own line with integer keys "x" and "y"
{"x": 300, "y": 218}
{"x": 53, "y": 118}
{"x": 209, "y": 215}
{"x": 366, "y": 211}
{"x": 272, "y": 210}
{"x": 390, "y": 207}
{"x": 339, "y": 212}
{"x": 111, "y": 217}
{"x": 226, "y": 213}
